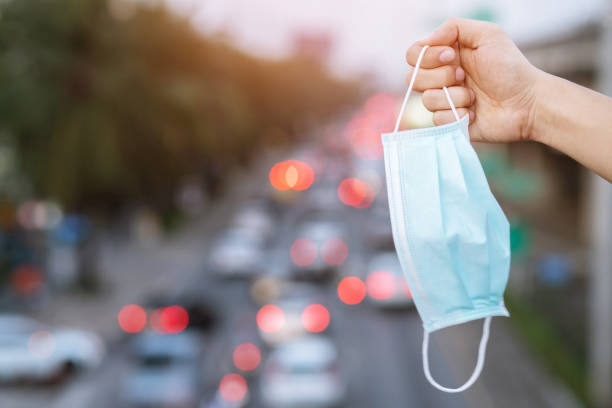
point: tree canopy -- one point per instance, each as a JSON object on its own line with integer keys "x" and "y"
{"x": 103, "y": 112}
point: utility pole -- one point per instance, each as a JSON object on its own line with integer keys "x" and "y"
{"x": 600, "y": 333}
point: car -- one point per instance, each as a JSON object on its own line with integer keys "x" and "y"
{"x": 164, "y": 371}
{"x": 303, "y": 373}
{"x": 36, "y": 352}
{"x": 196, "y": 301}
{"x": 294, "y": 299}
{"x": 386, "y": 285}
{"x": 378, "y": 233}
{"x": 254, "y": 217}
{"x": 319, "y": 247}
{"x": 238, "y": 253}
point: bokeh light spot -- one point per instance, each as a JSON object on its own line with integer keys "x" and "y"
{"x": 351, "y": 290}
{"x": 270, "y": 318}
{"x": 27, "y": 280}
{"x": 174, "y": 319}
{"x": 334, "y": 251}
{"x": 132, "y": 318}
{"x": 291, "y": 175}
{"x": 233, "y": 387}
{"x": 355, "y": 193}
{"x": 303, "y": 252}
{"x": 381, "y": 285}
{"x": 246, "y": 357}
{"x": 315, "y": 318}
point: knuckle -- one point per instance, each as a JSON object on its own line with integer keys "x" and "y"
{"x": 428, "y": 99}
{"x": 449, "y": 75}
{"x": 439, "y": 118}
{"x": 464, "y": 97}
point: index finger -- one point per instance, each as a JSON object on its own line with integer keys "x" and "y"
{"x": 434, "y": 57}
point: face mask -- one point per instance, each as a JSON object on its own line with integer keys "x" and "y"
{"x": 450, "y": 234}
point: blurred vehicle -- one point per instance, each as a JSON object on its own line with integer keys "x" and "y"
{"x": 255, "y": 218}
{"x": 317, "y": 250}
{"x": 199, "y": 307}
{"x": 33, "y": 351}
{"x": 214, "y": 399}
{"x": 386, "y": 285}
{"x": 303, "y": 373}
{"x": 378, "y": 233}
{"x": 237, "y": 253}
{"x": 293, "y": 301}
{"x": 165, "y": 371}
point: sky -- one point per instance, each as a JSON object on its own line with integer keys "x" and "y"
{"x": 371, "y": 36}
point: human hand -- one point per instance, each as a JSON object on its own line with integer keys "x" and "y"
{"x": 486, "y": 74}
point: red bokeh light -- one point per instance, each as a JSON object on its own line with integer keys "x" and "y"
{"x": 334, "y": 251}
{"x": 132, "y": 318}
{"x": 351, "y": 290}
{"x": 355, "y": 193}
{"x": 173, "y": 319}
{"x": 315, "y": 318}
{"x": 303, "y": 252}
{"x": 291, "y": 175}
{"x": 270, "y": 318}
{"x": 27, "y": 280}
{"x": 381, "y": 285}
{"x": 233, "y": 387}
{"x": 246, "y": 357}
{"x": 364, "y": 129}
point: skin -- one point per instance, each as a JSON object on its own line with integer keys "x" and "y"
{"x": 507, "y": 98}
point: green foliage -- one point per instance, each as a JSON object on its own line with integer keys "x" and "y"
{"x": 547, "y": 342}
{"x": 104, "y": 112}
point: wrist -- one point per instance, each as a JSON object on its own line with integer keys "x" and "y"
{"x": 537, "y": 117}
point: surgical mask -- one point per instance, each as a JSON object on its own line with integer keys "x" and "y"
{"x": 450, "y": 234}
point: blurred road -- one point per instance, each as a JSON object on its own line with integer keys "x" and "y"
{"x": 380, "y": 351}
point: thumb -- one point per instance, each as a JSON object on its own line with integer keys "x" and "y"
{"x": 468, "y": 33}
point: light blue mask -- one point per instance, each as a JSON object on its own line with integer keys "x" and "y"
{"x": 451, "y": 235}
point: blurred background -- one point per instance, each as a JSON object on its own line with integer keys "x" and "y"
{"x": 193, "y": 210}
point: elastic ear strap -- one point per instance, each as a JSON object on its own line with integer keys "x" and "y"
{"x": 409, "y": 91}
{"x": 482, "y": 349}
{"x": 450, "y": 102}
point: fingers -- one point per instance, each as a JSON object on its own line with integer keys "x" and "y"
{"x": 468, "y": 33}
{"x": 433, "y": 57}
{"x": 443, "y": 117}
{"x": 435, "y": 99}
{"x": 446, "y": 75}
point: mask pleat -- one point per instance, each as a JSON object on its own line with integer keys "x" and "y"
{"x": 497, "y": 228}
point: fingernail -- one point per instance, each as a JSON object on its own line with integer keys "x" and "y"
{"x": 447, "y": 56}
{"x": 460, "y": 74}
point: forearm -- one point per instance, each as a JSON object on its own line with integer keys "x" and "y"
{"x": 574, "y": 120}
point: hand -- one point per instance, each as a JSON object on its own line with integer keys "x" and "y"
{"x": 486, "y": 75}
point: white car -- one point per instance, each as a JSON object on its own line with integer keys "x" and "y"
{"x": 386, "y": 285}
{"x": 294, "y": 299}
{"x": 315, "y": 237}
{"x": 255, "y": 218}
{"x": 32, "y": 351}
{"x": 237, "y": 253}
{"x": 303, "y": 373}
{"x": 164, "y": 371}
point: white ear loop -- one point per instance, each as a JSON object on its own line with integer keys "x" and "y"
{"x": 409, "y": 91}
{"x": 482, "y": 350}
